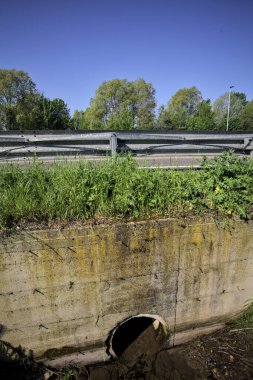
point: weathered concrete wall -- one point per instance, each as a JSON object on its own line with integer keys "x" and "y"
{"x": 70, "y": 287}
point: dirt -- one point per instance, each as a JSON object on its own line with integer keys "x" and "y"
{"x": 226, "y": 354}
{"x": 58, "y": 224}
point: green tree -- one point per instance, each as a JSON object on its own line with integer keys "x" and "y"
{"x": 119, "y": 104}
{"x": 122, "y": 120}
{"x": 18, "y": 97}
{"x": 203, "y": 118}
{"x": 142, "y": 103}
{"x": 77, "y": 119}
{"x": 182, "y": 106}
{"x": 51, "y": 114}
{"x": 246, "y": 117}
{"x": 220, "y": 109}
{"x": 163, "y": 121}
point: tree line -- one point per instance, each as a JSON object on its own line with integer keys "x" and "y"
{"x": 119, "y": 104}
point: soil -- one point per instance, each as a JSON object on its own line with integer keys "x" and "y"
{"x": 226, "y": 354}
{"x": 33, "y": 225}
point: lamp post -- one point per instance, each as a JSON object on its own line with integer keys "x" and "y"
{"x": 229, "y": 96}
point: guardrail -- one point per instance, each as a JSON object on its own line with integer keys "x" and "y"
{"x": 51, "y": 144}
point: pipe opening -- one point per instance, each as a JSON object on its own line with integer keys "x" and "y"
{"x": 138, "y": 335}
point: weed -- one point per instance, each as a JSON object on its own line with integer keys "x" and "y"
{"x": 118, "y": 188}
{"x": 245, "y": 319}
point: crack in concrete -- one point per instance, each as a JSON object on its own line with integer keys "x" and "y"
{"x": 43, "y": 326}
{"x": 33, "y": 253}
{"x": 176, "y": 293}
{"x": 38, "y": 291}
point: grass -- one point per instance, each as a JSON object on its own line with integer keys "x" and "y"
{"x": 245, "y": 319}
{"x": 117, "y": 188}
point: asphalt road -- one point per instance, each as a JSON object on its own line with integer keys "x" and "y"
{"x": 154, "y": 161}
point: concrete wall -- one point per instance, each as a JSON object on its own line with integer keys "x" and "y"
{"x": 66, "y": 289}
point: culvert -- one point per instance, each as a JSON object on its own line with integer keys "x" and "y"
{"x": 138, "y": 335}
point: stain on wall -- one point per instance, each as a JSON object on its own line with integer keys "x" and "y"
{"x": 64, "y": 290}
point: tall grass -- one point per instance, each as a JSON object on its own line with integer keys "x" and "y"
{"x": 119, "y": 188}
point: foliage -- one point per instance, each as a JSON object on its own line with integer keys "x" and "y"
{"x": 231, "y": 179}
{"x": 163, "y": 121}
{"x": 187, "y": 98}
{"x": 182, "y": 107}
{"x": 68, "y": 375}
{"x": 78, "y": 120}
{"x": 246, "y": 117}
{"x": 18, "y": 96}
{"x": 203, "y": 118}
{"x": 14, "y": 85}
{"x": 117, "y": 188}
{"x": 187, "y": 110}
{"x": 122, "y": 120}
{"x": 119, "y": 104}
{"x": 51, "y": 114}
{"x": 22, "y": 107}
{"x": 220, "y": 109}
{"x": 245, "y": 319}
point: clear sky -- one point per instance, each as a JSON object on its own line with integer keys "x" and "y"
{"x": 69, "y": 47}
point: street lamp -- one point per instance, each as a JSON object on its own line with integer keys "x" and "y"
{"x": 229, "y": 95}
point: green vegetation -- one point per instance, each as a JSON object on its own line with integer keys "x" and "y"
{"x": 245, "y": 319}
{"x": 23, "y": 107}
{"x": 117, "y": 188}
{"x": 236, "y": 120}
{"x": 187, "y": 110}
{"x": 119, "y": 104}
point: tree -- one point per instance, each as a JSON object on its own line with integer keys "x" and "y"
{"x": 77, "y": 120}
{"x": 220, "y": 109}
{"x": 18, "y": 97}
{"x": 119, "y": 104}
{"x": 23, "y": 107}
{"x": 164, "y": 120}
{"x": 180, "y": 109}
{"x": 142, "y": 103}
{"x": 203, "y": 118}
{"x": 51, "y": 114}
{"x": 246, "y": 117}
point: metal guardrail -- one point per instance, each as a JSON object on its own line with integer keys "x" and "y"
{"x": 51, "y": 144}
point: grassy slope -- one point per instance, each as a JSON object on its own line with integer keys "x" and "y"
{"x": 118, "y": 188}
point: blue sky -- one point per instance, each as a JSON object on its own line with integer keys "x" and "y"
{"x": 70, "y": 47}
